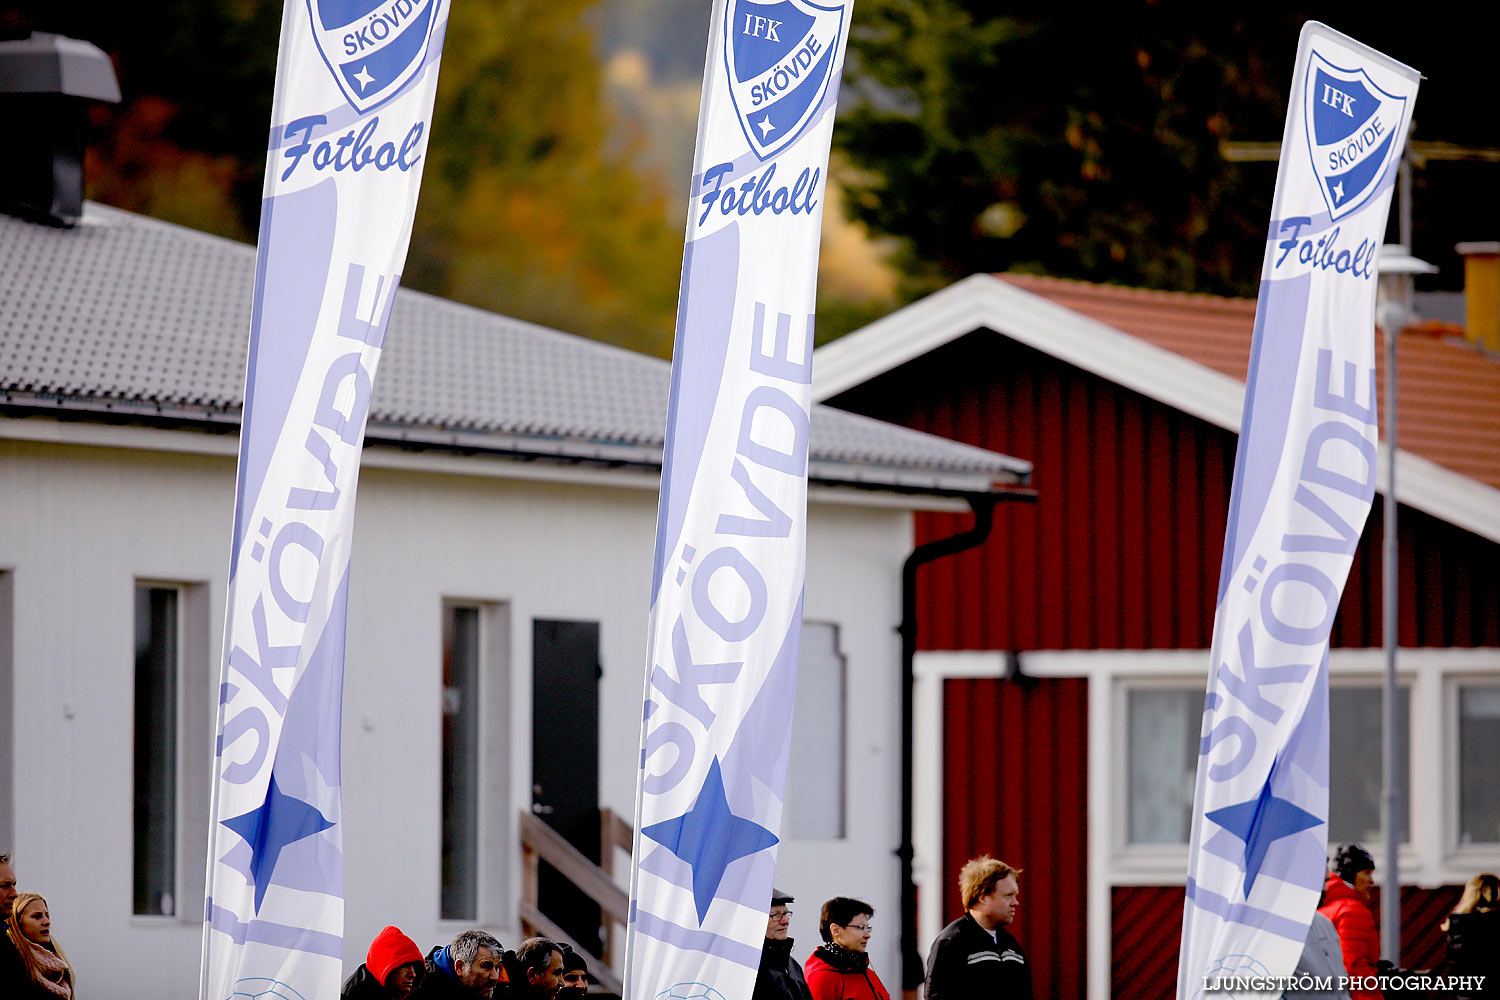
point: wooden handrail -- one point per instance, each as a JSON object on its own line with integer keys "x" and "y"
{"x": 541, "y": 840}
{"x": 615, "y": 832}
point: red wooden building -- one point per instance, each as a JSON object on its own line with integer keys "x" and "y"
{"x": 1062, "y": 664}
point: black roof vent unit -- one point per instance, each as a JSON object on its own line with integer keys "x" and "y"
{"x": 46, "y": 83}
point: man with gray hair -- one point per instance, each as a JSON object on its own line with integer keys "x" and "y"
{"x": 13, "y": 975}
{"x": 469, "y": 968}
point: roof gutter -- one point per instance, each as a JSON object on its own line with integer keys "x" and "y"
{"x": 984, "y": 520}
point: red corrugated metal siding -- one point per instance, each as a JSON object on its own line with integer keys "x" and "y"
{"x": 1019, "y": 777}
{"x": 1146, "y": 927}
{"x": 1123, "y": 550}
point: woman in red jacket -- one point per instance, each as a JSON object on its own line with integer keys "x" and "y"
{"x": 839, "y": 969}
{"x": 1346, "y": 901}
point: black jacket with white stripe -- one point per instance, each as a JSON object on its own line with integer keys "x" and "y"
{"x": 967, "y": 962}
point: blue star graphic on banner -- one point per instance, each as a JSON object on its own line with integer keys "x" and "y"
{"x": 709, "y": 837}
{"x": 282, "y": 820}
{"x": 1260, "y": 821}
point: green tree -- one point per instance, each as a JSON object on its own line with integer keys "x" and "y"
{"x": 990, "y": 142}
{"x": 1083, "y": 140}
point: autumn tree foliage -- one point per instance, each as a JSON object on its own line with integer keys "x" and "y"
{"x": 531, "y": 203}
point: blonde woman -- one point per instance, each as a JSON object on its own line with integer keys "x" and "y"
{"x": 30, "y": 930}
{"x": 1473, "y": 933}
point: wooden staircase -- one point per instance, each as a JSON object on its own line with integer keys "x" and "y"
{"x": 539, "y": 842}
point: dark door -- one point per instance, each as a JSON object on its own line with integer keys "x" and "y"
{"x": 565, "y": 761}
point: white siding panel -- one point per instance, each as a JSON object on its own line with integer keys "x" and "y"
{"x": 78, "y": 526}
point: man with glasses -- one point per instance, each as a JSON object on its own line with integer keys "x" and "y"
{"x": 780, "y": 977}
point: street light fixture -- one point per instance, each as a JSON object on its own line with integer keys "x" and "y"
{"x": 1393, "y": 312}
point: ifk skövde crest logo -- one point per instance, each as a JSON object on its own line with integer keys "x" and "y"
{"x": 372, "y": 47}
{"x": 1354, "y": 130}
{"x": 780, "y": 58}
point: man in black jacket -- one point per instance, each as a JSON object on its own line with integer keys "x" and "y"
{"x": 975, "y": 956}
{"x": 780, "y": 977}
{"x": 13, "y": 975}
{"x": 468, "y": 969}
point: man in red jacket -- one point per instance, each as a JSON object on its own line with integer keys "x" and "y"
{"x": 1347, "y": 898}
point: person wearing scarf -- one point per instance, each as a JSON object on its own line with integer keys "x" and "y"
{"x": 29, "y": 927}
{"x": 839, "y": 969}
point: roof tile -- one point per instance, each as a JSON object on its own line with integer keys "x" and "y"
{"x": 149, "y": 318}
{"x": 1448, "y": 389}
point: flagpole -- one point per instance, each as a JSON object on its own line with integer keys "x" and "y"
{"x": 1397, "y": 268}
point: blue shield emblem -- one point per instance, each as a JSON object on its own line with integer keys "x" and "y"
{"x": 780, "y": 58}
{"x": 1354, "y": 132}
{"x": 372, "y": 47}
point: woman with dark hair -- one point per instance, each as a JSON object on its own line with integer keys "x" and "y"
{"x": 1473, "y": 935}
{"x": 839, "y": 969}
{"x": 30, "y": 929}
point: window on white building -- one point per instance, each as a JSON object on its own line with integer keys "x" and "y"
{"x": 1478, "y": 751}
{"x": 461, "y": 752}
{"x": 1355, "y": 771}
{"x": 815, "y": 779}
{"x": 1162, "y": 762}
{"x": 158, "y": 665}
{"x": 1163, "y": 726}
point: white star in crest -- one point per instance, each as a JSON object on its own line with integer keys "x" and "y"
{"x": 765, "y": 126}
{"x": 364, "y": 77}
{"x": 1338, "y": 191}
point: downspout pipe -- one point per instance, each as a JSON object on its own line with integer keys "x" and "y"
{"x": 912, "y": 966}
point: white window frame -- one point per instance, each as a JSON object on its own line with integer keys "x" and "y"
{"x": 1432, "y": 858}
{"x": 1464, "y": 857}
{"x": 497, "y": 834}
{"x": 805, "y": 716}
{"x": 197, "y": 681}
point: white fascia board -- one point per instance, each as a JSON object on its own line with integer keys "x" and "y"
{"x": 378, "y": 456}
{"x": 982, "y": 301}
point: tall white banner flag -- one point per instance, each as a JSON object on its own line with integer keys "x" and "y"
{"x": 1303, "y": 481}
{"x": 726, "y": 610}
{"x": 349, "y": 127}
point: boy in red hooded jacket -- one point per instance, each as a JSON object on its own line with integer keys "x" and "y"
{"x": 393, "y": 967}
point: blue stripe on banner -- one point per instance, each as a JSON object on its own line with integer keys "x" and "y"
{"x": 705, "y": 306}
{"x": 280, "y": 935}
{"x": 1276, "y": 343}
{"x": 296, "y": 245}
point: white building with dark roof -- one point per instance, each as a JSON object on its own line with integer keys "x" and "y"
{"x": 497, "y": 611}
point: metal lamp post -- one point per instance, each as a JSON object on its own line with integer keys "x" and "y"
{"x": 1393, "y": 312}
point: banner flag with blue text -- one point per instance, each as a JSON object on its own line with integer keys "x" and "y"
{"x": 355, "y": 81}
{"x": 1303, "y": 481}
{"x": 726, "y": 609}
